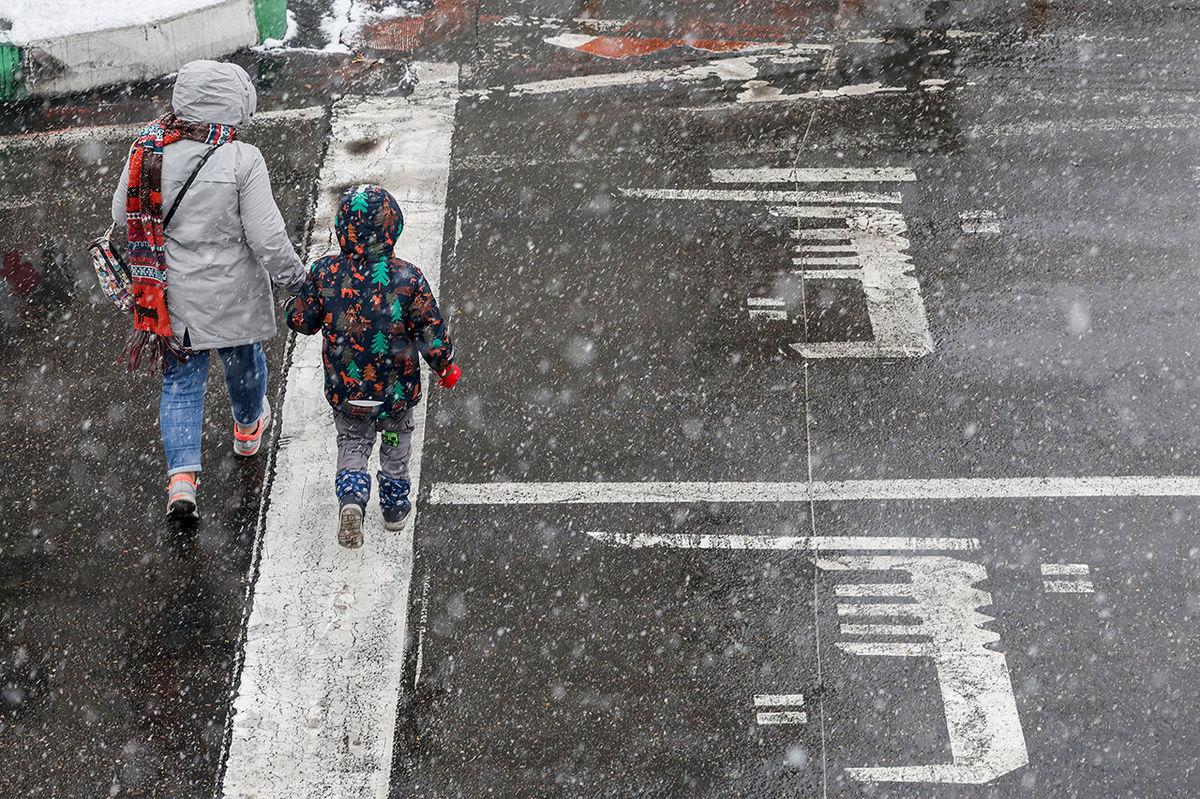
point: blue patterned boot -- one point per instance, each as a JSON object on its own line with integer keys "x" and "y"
{"x": 393, "y": 501}
{"x": 353, "y": 490}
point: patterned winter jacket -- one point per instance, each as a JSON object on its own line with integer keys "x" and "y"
{"x": 375, "y": 310}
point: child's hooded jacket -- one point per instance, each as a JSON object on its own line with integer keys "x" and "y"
{"x": 375, "y": 310}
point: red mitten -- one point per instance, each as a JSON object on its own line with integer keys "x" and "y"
{"x": 449, "y": 376}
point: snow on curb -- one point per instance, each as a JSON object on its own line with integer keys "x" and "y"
{"x": 116, "y": 41}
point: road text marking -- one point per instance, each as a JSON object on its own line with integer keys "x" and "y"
{"x": 938, "y": 594}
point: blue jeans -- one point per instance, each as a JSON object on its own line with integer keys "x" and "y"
{"x": 181, "y": 412}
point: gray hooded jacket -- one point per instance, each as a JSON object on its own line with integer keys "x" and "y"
{"x": 227, "y": 241}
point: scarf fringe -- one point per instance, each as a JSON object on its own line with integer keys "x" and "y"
{"x": 148, "y": 349}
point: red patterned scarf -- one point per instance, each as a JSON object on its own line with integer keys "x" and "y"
{"x": 152, "y": 337}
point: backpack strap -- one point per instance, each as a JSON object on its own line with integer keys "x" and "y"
{"x": 188, "y": 185}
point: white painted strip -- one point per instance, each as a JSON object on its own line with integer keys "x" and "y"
{"x": 764, "y": 302}
{"x": 315, "y": 710}
{"x": 781, "y": 717}
{"x": 868, "y": 589}
{"x": 635, "y": 493}
{"x": 830, "y": 274}
{"x": 822, "y": 233}
{"x": 831, "y": 543}
{"x": 879, "y": 174}
{"x": 828, "y": 260}
{"x": 1058, "y": 126}
{"x": 737, "y": 68}
{"x": 979, "y": 222}
{"x": 766, "y": 196}
{"x": 1068, "y": 586}
{"x": 813, "y": 212}
{"x": 880, "y": 629}
{"x": 1064, "y": 568}
{"x": 802, "y": 248}
{"x": 777, "y": 700}
{"x": 768, "y": 313}
{"x": 571, "y": 40}
{"x": 71, "y": 136}
{"x": 876, "y": 609}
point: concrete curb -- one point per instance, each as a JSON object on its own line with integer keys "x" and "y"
{"x": 83, "y": 61}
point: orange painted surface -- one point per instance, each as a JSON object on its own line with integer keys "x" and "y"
{"x": 623, "y": 46}
{"x": 719, "y": 45}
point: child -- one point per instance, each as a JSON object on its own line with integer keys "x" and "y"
{"x": 376, "y": 312}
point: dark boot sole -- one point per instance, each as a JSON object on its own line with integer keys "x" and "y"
{"x": 182, "y": 510}
{"x": 350, "y": 533}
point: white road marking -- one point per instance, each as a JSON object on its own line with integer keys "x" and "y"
{"x": 986, "y": 739}
{"x": 1107, "y": 125}
{"x": 765, "y": 196}
{"x": 956, "y": 488}
{"x": 771, "y": 308}
{"x": 822, "y": 234}
{"x": 1059, "y": 569}
{"x": 72, "y": 136}
{"x": 315, "y": 710}
{"x": 830, "y": 274}
{"x": 781, "y": 717}
{"x": 979, "y": 222}
{"x": 1083, "y": 586}
{"x": 825, "y": 543}
{"x": 1066, "y": 578}
{"x": 760, "y": 91}
{"x": 880, "y": 174}
{"x": 778, "y": 700}
{"x": 738, "y": 68}
{"x": 876, "y": 238}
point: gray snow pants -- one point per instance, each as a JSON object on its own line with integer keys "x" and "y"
{"x": 356, "y": 437}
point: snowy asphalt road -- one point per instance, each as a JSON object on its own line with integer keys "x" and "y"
{"x": 764, "y": 358}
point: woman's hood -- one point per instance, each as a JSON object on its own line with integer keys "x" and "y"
{"x": 214, "y": 92}
{"x": 368, "y": 222}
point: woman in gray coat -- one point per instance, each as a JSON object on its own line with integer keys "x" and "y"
{"x": 222, "y": 249}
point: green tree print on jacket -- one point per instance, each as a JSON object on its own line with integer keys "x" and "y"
{"x": 376, "y": 312}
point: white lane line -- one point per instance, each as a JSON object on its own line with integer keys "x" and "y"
{"x": 782, "y": 717}
{"x": 71, "y": 136}
{"x": 823, "y": 543}
{"x": 739, "y": 68}
{"x": 315, "y": 710}
{"x": 879, "y": 174}
{"x": 1148, "y": 122}
{"x": 789, "y": 198}
{"x": 635, "y": 493}
{"x": 777, "y": 700}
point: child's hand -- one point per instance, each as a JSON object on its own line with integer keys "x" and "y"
{"x": 449, "y": 376}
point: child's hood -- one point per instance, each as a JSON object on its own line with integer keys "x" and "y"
{"x": 368, "y": 222}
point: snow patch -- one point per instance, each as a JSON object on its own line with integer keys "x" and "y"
{"x": 34, "y": 20}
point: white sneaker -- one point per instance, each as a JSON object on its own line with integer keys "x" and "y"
{"x": 247, "y": 444}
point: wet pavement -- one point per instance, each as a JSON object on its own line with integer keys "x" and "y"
{"x": 658, "y": 285}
